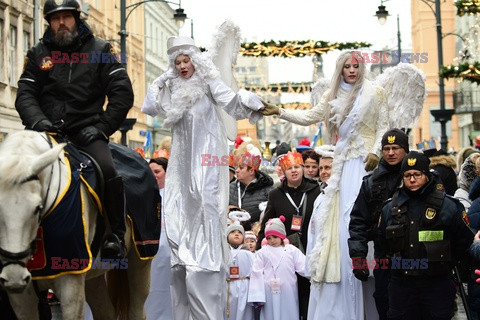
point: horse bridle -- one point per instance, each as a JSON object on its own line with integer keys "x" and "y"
{"x": 17, "y": 257}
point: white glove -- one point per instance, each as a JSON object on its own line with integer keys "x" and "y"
{"x": 167, "y": 75}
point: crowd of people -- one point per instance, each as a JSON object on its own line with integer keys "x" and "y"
{"x": 361, "y": 228}
{"x": 318, "y": 229}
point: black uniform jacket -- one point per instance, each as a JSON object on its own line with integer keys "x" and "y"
{"x": 442, "y": 237}
{"x": 70, "y": 84}
{"x": 375, "y": 190}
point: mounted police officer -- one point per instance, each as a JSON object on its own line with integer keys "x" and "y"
{"x": 65, "y": 80}
{"x": 423, "y": 235}
{"x": 375, "y": 190}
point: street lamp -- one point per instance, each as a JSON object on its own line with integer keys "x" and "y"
{"x": 179, "y": 18}
{"x": 382, "y": 15}
{"x": 442, "y": 115}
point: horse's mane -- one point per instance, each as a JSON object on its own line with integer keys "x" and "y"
{"x": 17, "y": 152}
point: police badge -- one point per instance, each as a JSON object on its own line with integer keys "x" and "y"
{"x": 430, "y": 213}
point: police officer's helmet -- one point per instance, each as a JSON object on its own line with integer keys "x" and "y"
{"x": 52, "y": 6}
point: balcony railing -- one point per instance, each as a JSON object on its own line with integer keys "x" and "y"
{"x": 466, "y": 100}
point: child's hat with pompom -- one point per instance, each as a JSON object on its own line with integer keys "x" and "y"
{"x": 275, "y": 227}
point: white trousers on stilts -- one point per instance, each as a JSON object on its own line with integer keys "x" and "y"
{"x": 197, "y": 293}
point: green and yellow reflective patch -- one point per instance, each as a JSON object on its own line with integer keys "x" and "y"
{"x": 430, "y": 235}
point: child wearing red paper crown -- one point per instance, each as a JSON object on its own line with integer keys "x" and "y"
{"x": 273, "y": 282}
{"x": 294, "y": 199}
{"x": 238, "y": 270}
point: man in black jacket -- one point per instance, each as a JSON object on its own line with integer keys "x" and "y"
{"x": 375, "y": 190}
{"x": 422, "y": 234}
{"x": 65, "y": 81}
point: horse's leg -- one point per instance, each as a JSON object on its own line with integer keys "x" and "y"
{"x": 138, "y": 273}
{"x": 70, "y": 290}
{"x": 98, "y": 299}
{"x": 25, "y": 304}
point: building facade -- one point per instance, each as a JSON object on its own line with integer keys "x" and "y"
{"x": 16, "y": 37}
{"x": 159, "y": 26}
{"x": 424, "y": 42}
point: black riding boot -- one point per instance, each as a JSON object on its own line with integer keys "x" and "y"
{"x": 114, "y": 245}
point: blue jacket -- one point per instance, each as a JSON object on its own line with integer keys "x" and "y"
{"x": 474, "y": 210}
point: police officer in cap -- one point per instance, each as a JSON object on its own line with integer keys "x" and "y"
{"x": 375, "y": 190}
{"x": 63, "y": 86}
{"x": 424, "y": 233}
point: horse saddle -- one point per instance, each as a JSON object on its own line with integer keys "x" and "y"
{"x": 142, "y": 210}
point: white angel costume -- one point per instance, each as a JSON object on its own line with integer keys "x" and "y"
{"x": 273, "y": 281}
{"x": 197, "y": 180}
{"x": 335, "y": 292}
{"x": 237, "y": 285}
{"x": 359, "y": 134}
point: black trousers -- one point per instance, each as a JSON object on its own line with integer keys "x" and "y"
{"x": 432, "y": 299}
{"x": 100, "y": 152}
{"x": 382, "y": 277}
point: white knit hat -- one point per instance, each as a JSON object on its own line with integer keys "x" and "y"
{"x": 235, "y": 226}
{"x": 250, "y": 235}
{"x": 275, "y": 227}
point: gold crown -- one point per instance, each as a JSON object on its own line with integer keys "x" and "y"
{"x": 391, "y": 139}
{"x": 290, "y": 159}
{"x": 411, "y": 162}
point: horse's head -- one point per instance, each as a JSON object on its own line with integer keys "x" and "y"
{"x": 22, "y": 193}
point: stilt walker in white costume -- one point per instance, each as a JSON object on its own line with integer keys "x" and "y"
{"x": 356, "y": 116}
{"x": 194, "y": 100}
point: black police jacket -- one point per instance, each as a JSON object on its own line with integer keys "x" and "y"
{"x": 70, "y": 84}
{"x": 375, "y": 190}
{"x": 438, "y": 238}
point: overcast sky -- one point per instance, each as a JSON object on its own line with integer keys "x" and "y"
{"x": 328, "y": 20}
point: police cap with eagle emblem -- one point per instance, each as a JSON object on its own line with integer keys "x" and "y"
{"x": 396, "y": 136}
{"x": 416, "y": 161}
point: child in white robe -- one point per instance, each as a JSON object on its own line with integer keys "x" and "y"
{"x": 238, "y": 273}
{"x": 273, "y": 282}
{"x": 250, "y": 241}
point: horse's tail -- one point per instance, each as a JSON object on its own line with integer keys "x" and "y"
{"x": 118, "y": 290}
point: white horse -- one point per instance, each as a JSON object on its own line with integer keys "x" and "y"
{"x": 31, "y": 172}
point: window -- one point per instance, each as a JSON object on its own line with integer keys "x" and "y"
{"x": 26, "y": 42}
{"x": 13, "y": 49}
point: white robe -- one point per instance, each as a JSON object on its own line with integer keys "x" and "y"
{"x": 360, "y": 133}
{"x": 197, "y": 186}
{"x": 238, "y": 289}
{"x": 277, "y": 263}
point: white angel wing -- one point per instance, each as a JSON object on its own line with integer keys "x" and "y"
{"x": 318, "y": 89}
{"x": 224, "y": 51}
{"x": 406, "y": 93}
